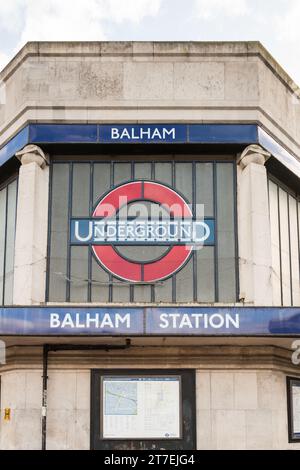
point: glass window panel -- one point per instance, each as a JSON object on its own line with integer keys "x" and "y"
{"x": 10, "y": 242}
{"x": 3, "y": 193}
{"x": 285, "y": 248}
{"x": 184, "y": 180}
{"x": 81, "y": 190}
{"x": 205, "y": 188}
{"x": 275, "y": 245}
{"x": 100, "y": 283}
{"x": 163, "y": 173}
{"x": 59, "y": 234}
{"x": 142, "y": 293}
{"x": 79, "y": 274}
{"x": 294, "y": 251}
{"x": 184, "y": 283}
{"x": 163, "y": 291}
{"x": 121, "y": 291}
{"x": 142, "y": 171}
{"x": 226, "y": 235}
{"x": 122, "y": 173}
{"x": 101, "y": 183}
{"x": 205, "y": 274}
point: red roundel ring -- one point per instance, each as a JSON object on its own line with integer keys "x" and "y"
{"x": 133, "y": 271}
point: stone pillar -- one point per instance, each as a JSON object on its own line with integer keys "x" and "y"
{"x": 31, "y": 227}
{"x": 255, "y": 258}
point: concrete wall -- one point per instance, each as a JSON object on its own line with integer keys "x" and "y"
{"x": 235, "y": 410}
{"x": 242, "y": 410}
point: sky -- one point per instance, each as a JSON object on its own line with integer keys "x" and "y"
{"x": 276, "y": 23}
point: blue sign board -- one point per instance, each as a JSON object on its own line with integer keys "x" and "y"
{"x": 41, "y": 133}
{"x": 142, "y": 232}
{"x": 150, "y": 321}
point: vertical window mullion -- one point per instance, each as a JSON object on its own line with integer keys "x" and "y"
{"x": 90, "y": 251}
{"x": 174, "y": 276}
{"x": 216, "y": 273}
{"x": 4, "y": 246}
{"x": 68, "y": 284}
{"x": 153, "y": 179}
{"x": 112, "y": 179}
{"x": 195, "y": 284}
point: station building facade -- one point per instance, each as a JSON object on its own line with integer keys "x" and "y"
{"x": 121, "y": 332}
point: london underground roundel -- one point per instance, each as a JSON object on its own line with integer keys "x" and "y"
{"x": 173, "y": 227}
{"x": 134, "y": 271}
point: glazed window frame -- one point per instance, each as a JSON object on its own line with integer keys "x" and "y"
{"x": 294, "y": 437}
{"x": 284, "y": 293}
{"x": 8, "y": 217}
{"x": 187, "y": 411}
{"x": 115, "y": 291}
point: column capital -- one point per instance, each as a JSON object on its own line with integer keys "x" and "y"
{"x": 253, "y": 154}
{"x": 33, "y": 154}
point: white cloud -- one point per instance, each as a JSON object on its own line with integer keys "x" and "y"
{"x": 11, "y": 15}
{"x": 286, "y": 29}
{"x": 77, "y": 20}
{"x": 288, "y": 24}
{"x": 4, "y": 59}
{"x": 132, "y": 10}
{"x": 207, "y": 9}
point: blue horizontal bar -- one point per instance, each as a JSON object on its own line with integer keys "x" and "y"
{"x": 63, "y": 133}
{"x": 279, "y": 152}
{"x": 223, "y": 133}
{"x": 183, "y": 133}
{"x": 144, "y": 133}
{"x": 14, "y": 145}
{"x": 161, "y": 321}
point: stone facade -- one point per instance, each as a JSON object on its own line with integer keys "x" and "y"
{"x": 240, "y": 384}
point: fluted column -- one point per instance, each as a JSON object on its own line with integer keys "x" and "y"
{"x": 31, "y": 227}
{"x": 255, "y": 259}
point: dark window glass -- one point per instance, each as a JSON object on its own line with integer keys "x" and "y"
{"x": 208, "y": 276}
{"x": 8, "y": 209}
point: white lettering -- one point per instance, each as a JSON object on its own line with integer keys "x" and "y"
{"x": 122, "y": 319}
{"x": 197, "y": 317}
{"x": 185, "y": 321}
{"x": 170, "y": 132}
{"x": 232, "y": 321}
{"x": 79, "y": 237}
{"x": 156, "y": 133}
{"x": 67, "y": 321}
{"x": 54, "y": 320}
{"x": 106, "y": 321}
{"x": 125, "y": 134}
{"x": 115, "y": 133}
{"x": 146, "y": 133}
{"x": 133, "y": 135}
{"x": 164, "y": 323}
{"x": 198, "y": 321}
{"x": 90, "y": 320}
{"x": 216, "y": 320}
